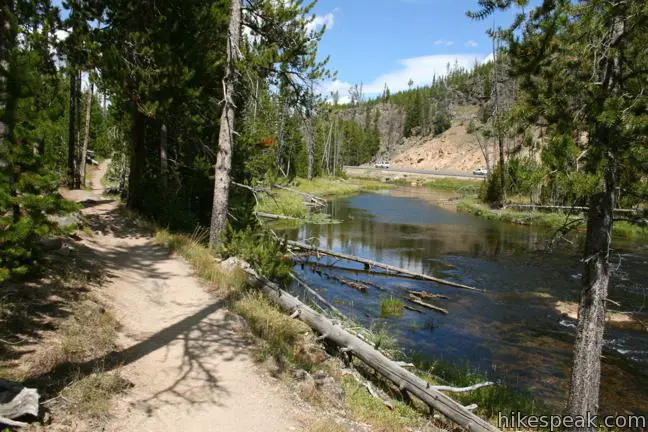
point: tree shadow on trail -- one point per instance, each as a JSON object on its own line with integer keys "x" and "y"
{"x": 203, "y": 338}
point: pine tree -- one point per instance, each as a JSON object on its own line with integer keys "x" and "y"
{"x": 574, "y": 90}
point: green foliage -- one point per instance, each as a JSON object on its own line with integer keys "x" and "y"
{"x": 28, "y": 185}
{"x": 260, "y": 248}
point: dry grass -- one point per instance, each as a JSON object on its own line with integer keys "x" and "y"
{"x": 326, "y": 426}
{"x": 91, "y": 395}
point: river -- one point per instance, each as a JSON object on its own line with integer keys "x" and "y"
{"x": 512, "y": 333}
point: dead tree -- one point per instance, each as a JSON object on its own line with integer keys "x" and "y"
{"x": 226, "y": 133}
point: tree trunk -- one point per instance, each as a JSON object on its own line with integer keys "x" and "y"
{"x": 586, "y": 372}
{"x": 72, "y": 159}
{"x": 502, "y": 167}
{"x": 86, "y": 137}
{"x": 311, "y": 146}
{"x": 137, "y": 158}
{"x": 226, "y": 132}
{"x": 77, "y": 111}
{"x": 164, "y": 162}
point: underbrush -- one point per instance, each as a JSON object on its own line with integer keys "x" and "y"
{"x": 463, "y": 187}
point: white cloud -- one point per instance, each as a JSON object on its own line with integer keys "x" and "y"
{"x": 321, "y": 20}
{"x": 443, "y": 42}
{"x": 489, "y": 58}
{"x": 421, "y": 70}
{"x": 471, "y": 44}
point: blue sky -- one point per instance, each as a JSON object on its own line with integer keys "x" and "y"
{"x": 378, "y": 41}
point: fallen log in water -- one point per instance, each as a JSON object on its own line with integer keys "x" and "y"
{"x": 355, "y": 270}
{"x": 369, "y": 262}
{"x": 353, "y": 284}
{"x": 276, "y": 216}
{"x": 392, "y": 371}
{"x": 427, "y": 295}
{"x": 413, "y": 309}
{"x": 415, "y": 299}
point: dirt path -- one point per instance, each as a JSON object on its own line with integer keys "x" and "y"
{"x": 186, "y": 355}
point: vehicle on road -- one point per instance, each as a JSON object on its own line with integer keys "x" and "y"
{"x": 480, "y": 171}
{"x": 383, "y": 164}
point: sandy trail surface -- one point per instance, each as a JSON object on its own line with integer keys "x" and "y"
{"x": 186, "y": 355}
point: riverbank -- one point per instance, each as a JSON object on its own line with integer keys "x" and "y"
{"x": 288, "y": 203}
{"x": 554, "y": 221}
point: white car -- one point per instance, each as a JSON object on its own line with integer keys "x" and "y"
{"x": 383, "y": 164}
{"x": 480, "y": 171}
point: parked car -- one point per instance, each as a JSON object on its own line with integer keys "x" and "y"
{"x": 480, "y": 171}
{"x": 383, "y": 164}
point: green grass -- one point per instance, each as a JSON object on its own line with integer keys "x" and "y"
{"x": 554, "y": 221}
{"x": 464, "y": 187}
{"x": 369, "y": 409}
{"x": 391, "y": 307}
{"x": 547, "y": 220}
{"x": 490, "y": 400}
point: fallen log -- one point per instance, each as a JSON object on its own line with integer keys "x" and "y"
{"x": 276, "y": 216}
{"x": 414, "y": 299}
{"x": 369, "y": 262}
{"x": 427, "y": 295}
{"x": 353, "y": 284}
{"x": 17, "y": 400}
{"x": 413, "y": 309}
{"x": 450, "y": 389}
{"x": 355, "y": 270}
{"x": 404, "y": 379}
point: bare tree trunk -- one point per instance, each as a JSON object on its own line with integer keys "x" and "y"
{"x": 72, "y": 159}
{"x": 86, "y": 136}
{"x": 311, "y": 146}
{"x": 226, "y": 132}
{"x": 164, "y": 162}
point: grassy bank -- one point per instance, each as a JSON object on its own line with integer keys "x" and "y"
{"x": 287, "y": 203}
{"x": 462, "y": 187}
{"x": 621, "y": 229}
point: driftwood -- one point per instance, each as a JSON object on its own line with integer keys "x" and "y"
{"x": 16, "y": 401}
{"x": 427, "y": 295}
{"x": 413, "y": 309}
{"x": 353, "y": 284}
{"x": 463, "y": 389}
{"x": 405, "y": 380}
{"x": 415, "y": 299}
{"x": 355, "y": 270}
{"x": 369, "y": 262}
{"x": 276, "y": 216}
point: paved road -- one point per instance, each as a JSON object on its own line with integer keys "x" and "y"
{"x": 419, "y": 171}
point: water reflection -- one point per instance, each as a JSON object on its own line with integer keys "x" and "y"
{"x": 513, "y": 331}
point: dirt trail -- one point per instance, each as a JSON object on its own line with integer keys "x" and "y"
{"x": 187, "y": 356}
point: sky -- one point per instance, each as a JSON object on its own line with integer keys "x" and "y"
{"x": 390, "y": 41}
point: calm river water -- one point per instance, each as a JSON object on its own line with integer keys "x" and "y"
{"x": 513, "y": 332}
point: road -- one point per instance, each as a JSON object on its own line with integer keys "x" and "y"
{"x": 396, "y": 170}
